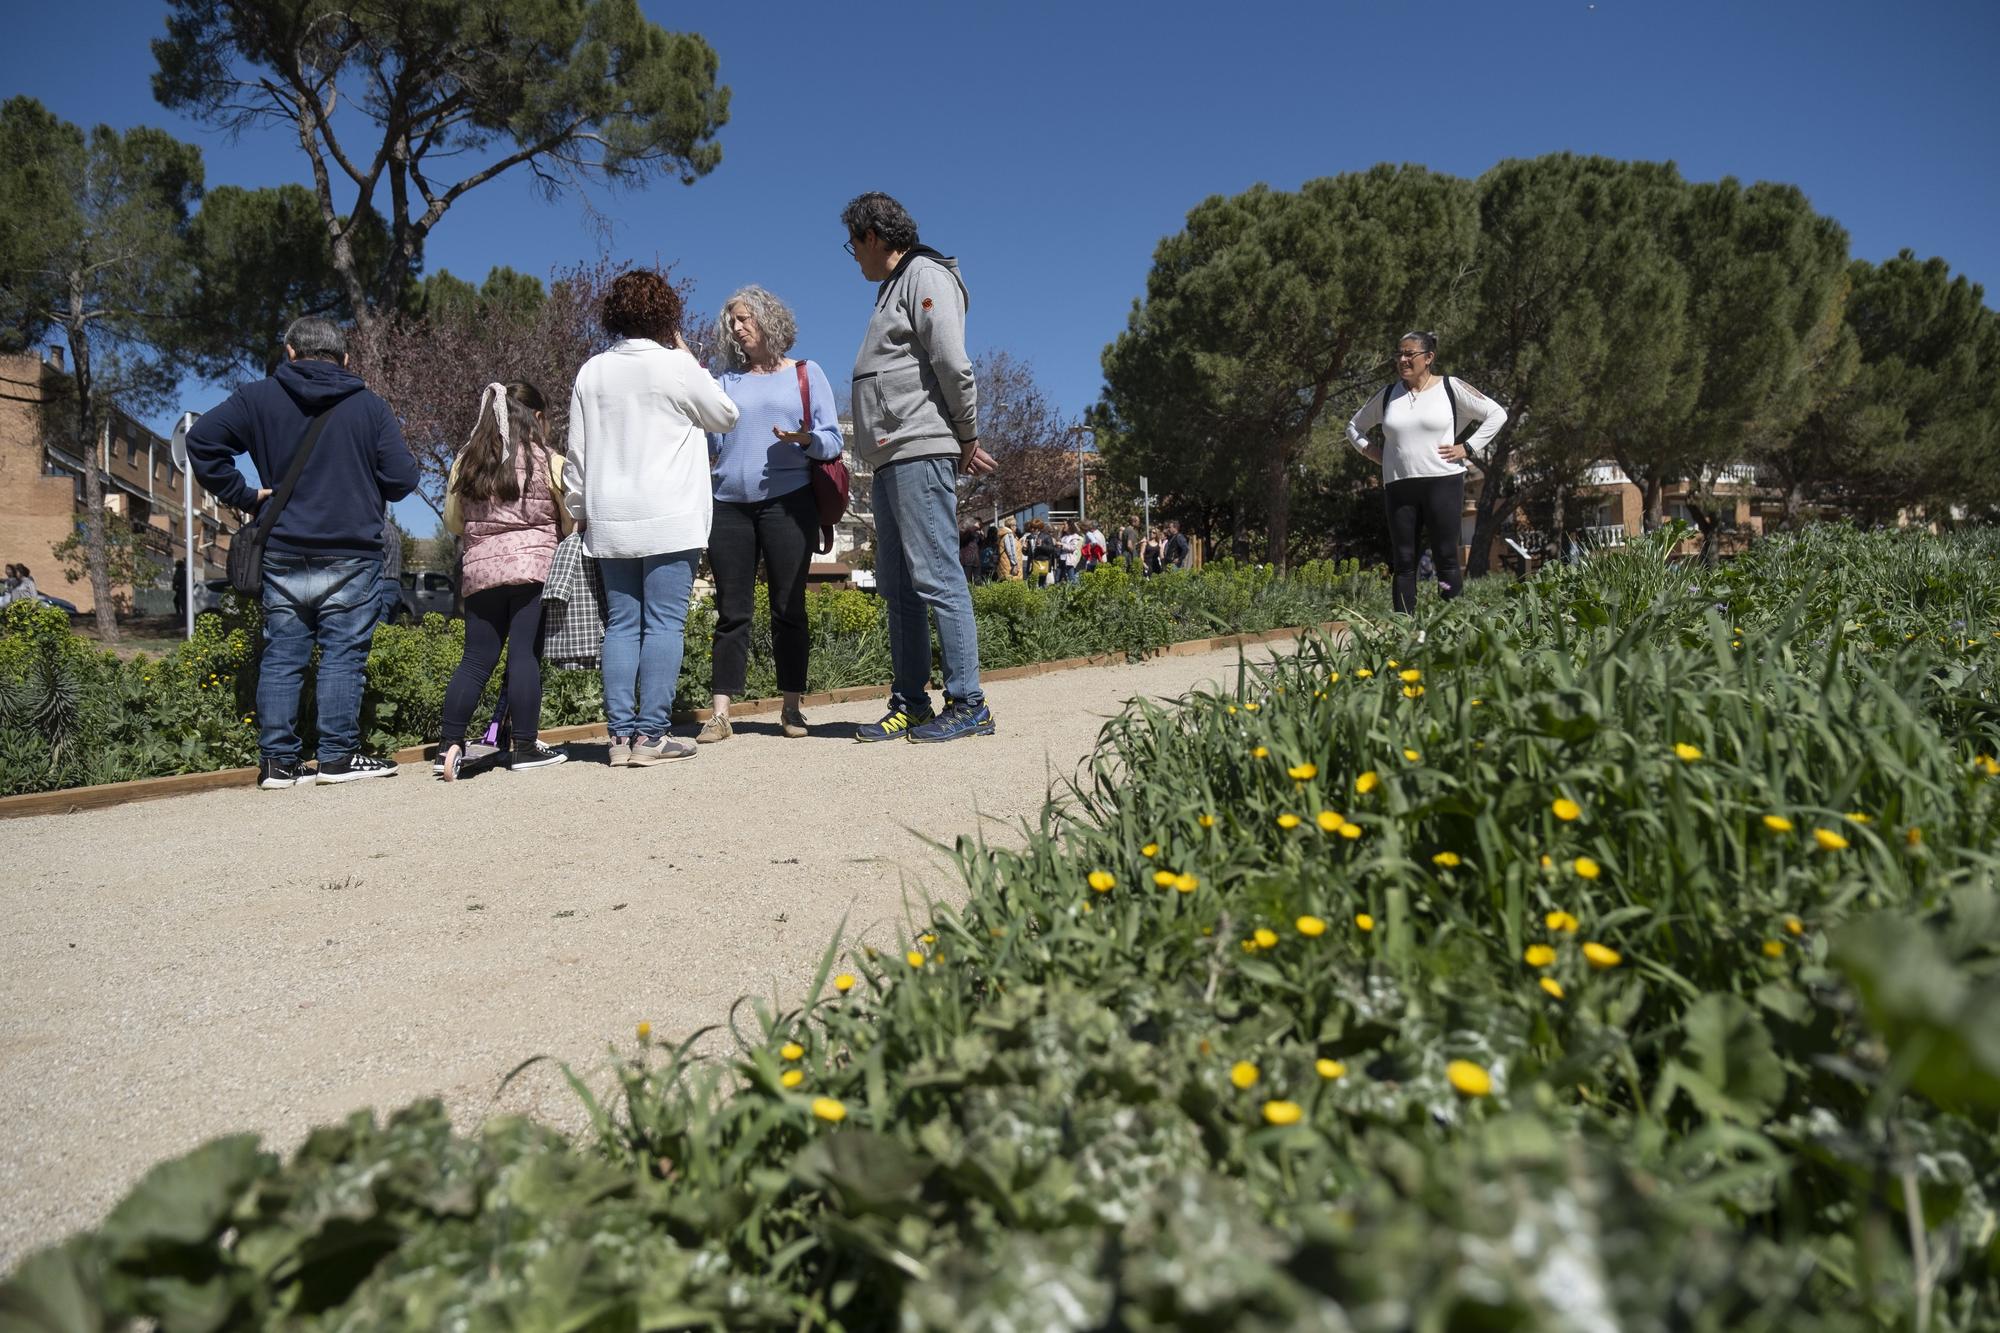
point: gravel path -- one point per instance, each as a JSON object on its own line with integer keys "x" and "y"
{"x": 269, "y": 961}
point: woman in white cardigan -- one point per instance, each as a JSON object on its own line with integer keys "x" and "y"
{"x": 638, "y": 487}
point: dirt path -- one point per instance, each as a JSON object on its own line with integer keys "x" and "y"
{"x": 269, "y": 961}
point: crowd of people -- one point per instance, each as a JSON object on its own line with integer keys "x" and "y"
{"x": 1061, "y": 552}
{"x": 19, "y": 587}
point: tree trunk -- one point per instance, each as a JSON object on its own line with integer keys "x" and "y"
{"x": 1278, "y": 526}
{"x": 1655, "y": 492}
{"x": 1490, "y": 510}
{"x": 95, "y": 553}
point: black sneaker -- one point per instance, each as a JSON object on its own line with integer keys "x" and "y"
{"x": 354, "y": 767}
{"x": 534, "y": 754}
{"x": 277, "y": 774}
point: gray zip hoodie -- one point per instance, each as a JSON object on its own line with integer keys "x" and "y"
{"x": 914, "y": 395}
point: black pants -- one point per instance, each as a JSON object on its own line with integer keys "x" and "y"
{"x": 1432, "y": 505}
{"x": 510, "y": 614}
{"x": 782, "y": 531}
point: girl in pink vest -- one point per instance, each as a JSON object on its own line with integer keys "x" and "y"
{"x": 504, "y": 500}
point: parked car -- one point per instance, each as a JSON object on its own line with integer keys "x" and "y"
{"x": 57, "y": 602}
{"x": 425, "y": 591}
{"x": 208, "y": 595}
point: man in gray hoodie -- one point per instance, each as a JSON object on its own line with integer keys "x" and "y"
{"x": 916, "y": 422}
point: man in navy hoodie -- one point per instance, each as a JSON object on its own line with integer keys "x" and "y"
{"x": 324, "y": 555}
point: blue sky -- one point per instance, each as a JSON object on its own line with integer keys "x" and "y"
{"x": 1050, "y": 146}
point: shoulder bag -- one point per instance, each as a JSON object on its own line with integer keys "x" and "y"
{"x": 830, "y": 481}
{"x": 246, "y": 549}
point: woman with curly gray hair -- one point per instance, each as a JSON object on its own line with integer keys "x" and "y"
{"x": 764, "y": 508}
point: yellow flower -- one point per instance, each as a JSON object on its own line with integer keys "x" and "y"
{"x": 1350, "y": 831}
{"x": 1477, "y": 702}
{"x": 1601, "y": 956}
{"x": 1794, "y": 926}
{"x": 1364, "y": 922}
{"x": 1539, "y": 955}
{"x": 1411, "y": 676}
{"x": 1102, "y": 880}
{"x": 1363, "y": 673}
{"x": 1552, "y": 986}
{"x": 791, "y": 1078}
{"x": 1302, "y": 772}
{"x": 1266, "y": 937}
{"x": 1282, "y": 1113}
{"x": 1329, "y": 1069}
{"x": 1446, "y": 859}
{"x": 927, "y": 938}
{"x": 1548, "y": 862}
{"x": 1329, "y": 822}
{"x": 1367, "y": 782}
{"x": 1163, "y": 879}
{"x": 1686, "y": 753}
{"x": 1186, "y": 883}
{"x": 1243, "y": 1074}
{"x": 830, "y": 1110}
{"x": 1310, "y": 926}
{"x": 1468, "y": 1078}
{"x": 1232, "y": 710}
{"x": 1561, "y": 921}
{"x": 1413, "y": 756}
{"x": 1332, "y": 677}
{"x": 1987, "y": 765}
{"x": 1288, "y": 820}
{"x": 844, "y": 982}
{"x": 1394, "y": 663}
{"x": 1088, "y": 909}
{"x": 915, "y": 959}
{"x": 1913, "y": 837}
{"x": 645, "y": 1031}
{"x": 1249, "y": 946}
{"x": 1260, "y": 752}
{"x": 1566, "y": 810}
{"x": 1150, "y": 850}
{"x": 1586, "y": 867}
{"x": 1206, "y": 821}
{"x": 1777, "y": 823}
{"x": 1413, "y": 691}
{"x": 791, "y": 1050}
{"x": 1250, "y": 707}
{"x": 1858, "y": 817}
{"x": 1774, "y": 948}
{"x": 1830, "y": 840}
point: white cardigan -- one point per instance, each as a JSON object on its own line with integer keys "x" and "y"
{"x": 638, "y": 461}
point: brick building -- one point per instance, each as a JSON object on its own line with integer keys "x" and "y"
{"x": 41, "y": 487}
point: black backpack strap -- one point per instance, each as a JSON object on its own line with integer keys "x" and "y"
{"x": 1451, "y": 399}
{"x": 268, "y": 519}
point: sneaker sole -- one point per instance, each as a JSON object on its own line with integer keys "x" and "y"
{"x": 902, "y": 735}
{"x": 985, "y": 730}
{"x": 279, "y": 784}
{"x": 652, "y": 759}
{"x": 327, "y": 779}
{"x": 520, "y": 766}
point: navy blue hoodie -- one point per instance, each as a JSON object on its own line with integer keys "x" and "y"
{"x": 359, "y": 464}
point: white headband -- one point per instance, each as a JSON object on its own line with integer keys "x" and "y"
{"x": 493, "y": 398}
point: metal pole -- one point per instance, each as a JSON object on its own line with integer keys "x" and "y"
{"x": 187, "y": 516}
{"x": 1079, "y": 478}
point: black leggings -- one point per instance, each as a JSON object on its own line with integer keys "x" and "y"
{"x": 510, "y": 614}
{"x": 784, "y": 530}
{"x": 1433, "y": 505}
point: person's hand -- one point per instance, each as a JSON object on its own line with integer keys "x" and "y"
{"x": 1452, "y": 453}
{"x": 974, "y": 461}
{"x": 801, "y": 438}
{"x": 680, "y": 342}
{"x": 1373, "y": 454}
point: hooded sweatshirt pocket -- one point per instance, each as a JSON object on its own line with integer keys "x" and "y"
{"x": 905, "y": 397}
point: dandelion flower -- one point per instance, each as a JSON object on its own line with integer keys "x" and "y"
{"x": 1310, "y": 926}
{"x": 1163, "y": 879}
{"x": 1777, "y": 823}
{"x": 1261, "y": 752}
{"x": 1410, "y": 676}
{"x": 1232, "y": 710}
{"x": 1446, "y": 859}
{"x": 1686, "y": 753}
{"x": 1243, "y": 1074}
{"x": 1332, "y": 677}
{"x": 1363, "y": 673}
{"x": 1586, "y": 868}
{"x": 1469, "y": 1079}
{"x": 1601, "y": 956}
{"x": 1350, "y": 831}
{"x": 1913, "y": 837}
{"x": 1858, "y": 817}
{"x": 1288, "y": 820}
{"x": 1266, "y": 937}
{"x": 1367, "y": 782}
{"x": 1986, "y": 763}
{"x": 844, "y": 982}
{"x": 1364, "y": 922}
{"x": 1206, "y": 821}
{"x": 1329, "y": 1069}
{"x": 915, "y": 959}
{"x": 1829, "y": 840}
{"x": 1392, "y": 662}
{"x": 1251, "y": 707}
{"x": 1794, "y": 926}
{"x": 1566, "y": 810}
{"x": 927, "y": 938}
{"x": 1477, "y": 702}
{"x": 1150, "y": 850}
{"x": 1282, "y": 1113}
{"x": 1302, "y": 772}
{"x": 1414, "y": 756}
{"x": 645, "y": 1031}
{"x": 791, "y": 1050}
{"x": 1774, "y": 948}
{"x": 829, "y": 1109}
{"x": 1329, "y": 822}
{"x": 1551, "y": 986}
{"x": 791, "y": 1078}
{"x": 1185, "y": 883}
{"x": 1413, "y": 691}
{"x": 1561, "y": 921}
{"x": 1539, "y": 955}
{"x": 1102, "y": 880}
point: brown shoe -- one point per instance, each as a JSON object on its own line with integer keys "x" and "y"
{"x": 715, "y": 729}
{"x": 793, "y": 723}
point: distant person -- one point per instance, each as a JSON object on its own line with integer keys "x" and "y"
{"x": 968, "y": 550}
{"x": 20, "y": 585}
{"x": 1071, "y": 543}
{"x": 1421, "y": 416}
{"x": 323, "y": 556}
{"x": 916, "y": 423}
{"x": 1008, "y": 565}
{"x": 1175, "y": 548}
{"x": 1150, "y": 554}
{"x": 180, "y": 590}
{"x": 761, "y": 472}
{"x": 639, "y": 489}
{"x": 1042, "y": 552}
{"x": 1130, "y": 543}
{"x": 1094, "y": 553}
{"x": 389, "y": 589}
{"x": 503, "y": 502}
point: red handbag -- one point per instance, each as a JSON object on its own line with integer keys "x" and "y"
{"x": 830, "y": 483}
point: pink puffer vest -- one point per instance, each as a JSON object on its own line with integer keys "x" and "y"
{"x": 511, "y": 541}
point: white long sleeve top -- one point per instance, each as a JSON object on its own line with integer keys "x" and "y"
{"x": 1414, "y": 425}
{"x": 638, "y": 460}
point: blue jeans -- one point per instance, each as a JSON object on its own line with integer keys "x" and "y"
{"x": 328, "y": 601}
{"x": 917, "y": 571}
{"x": 645, "y": 623}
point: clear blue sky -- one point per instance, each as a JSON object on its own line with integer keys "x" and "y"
{"x": 1050, "y": 146}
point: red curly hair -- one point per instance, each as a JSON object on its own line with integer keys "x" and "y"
{"x": 642, "y": 304}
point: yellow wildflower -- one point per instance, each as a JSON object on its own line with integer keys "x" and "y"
{"x": 1261, "y": 752}
{"x": 1410, "y": 676}
{"x": 927, "y": 938}
{"x": 1163, "y": 879}
{"x": 791, "y": 1078}
{"x": 1446, "y": 859}
{"x": 1561, "y": 921}
{"x": 1302, "y": 772}
{"x": 830, "y": 1110}
{"x": 1329, "y": 822}
{"x": 645, "y": 1031}
{"x": 915, "y": 959}
{"x": 1413, "y": 756}
{"x": 1586, "y": 867}
{"x": 1987, "y": 765}
{"x": 1539, "y": 955}
{"x": 1552, "y": 986}
{"x": 1777, "y": 823}
{"x": 844, "y": 982}
{"x": 1413, "y": 691}
{"x": 1774, "y": 948}
{"x": 1913, "y": 837}
{"x": 1364, "y": 922}
{"x": 791, "y": 1050}
{"x": 1150, "y": 850}
{"x": 1858, "y": 817}
{"x": 1367, "y": 782}
{"x": 1468, "y": 1078}
{"x": 1206, "y": 821}
{"x": 1329, "y": 1069}
{"x": 1363, "y": 673}
{"x": 1243, "y": 1074}
{"x": 1794, "y": 926}
{"x": 1601, "y": 956}
{"x": 1566, "y": 810}
{"x": 1282, "y": 1113}
{"x": 1310, "y": 926}
{"x": 1394, "y": 663}
{"x": 1332, "y": 677}
{"x": 1186, "y": 883}
{"x": 1477, "y": 702}
{"x": 1266, "y": 937}
{"x": 1288, "y": 820}
{"x": 1548, "y": 862}
{"x": 1350, "y": 831}
{"x": 1686, "y": 753}
{"x": 1232, "y": 710}
{"x": 1250, "y": 707}
{"x": 1102, "y": 880}
{"x": 1829, "y": 840}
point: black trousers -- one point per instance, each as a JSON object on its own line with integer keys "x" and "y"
{"x": 510, "y": 614}
{"x": 782, "y": 531}
{"x": 1432, "y": 506}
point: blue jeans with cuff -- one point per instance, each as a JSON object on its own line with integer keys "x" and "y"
{"x": 328, "y": 601}
{"x": 917, "y": 572}
{"x": 645, "y": 627}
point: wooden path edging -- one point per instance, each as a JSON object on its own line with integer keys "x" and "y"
{"x": 105, "y": 795}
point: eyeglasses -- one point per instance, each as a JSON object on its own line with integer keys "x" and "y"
{"x": 849, "y": 247}
{"x": 1410, "y": 356}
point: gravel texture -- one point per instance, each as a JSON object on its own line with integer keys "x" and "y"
{"x": 270, "y": 961}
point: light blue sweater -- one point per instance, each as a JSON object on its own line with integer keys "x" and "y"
{"x": 750, "y": 464}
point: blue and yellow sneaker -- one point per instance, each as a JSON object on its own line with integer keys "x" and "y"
{"x": 895, "y": 724}
{"x": 959, "y": 718}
